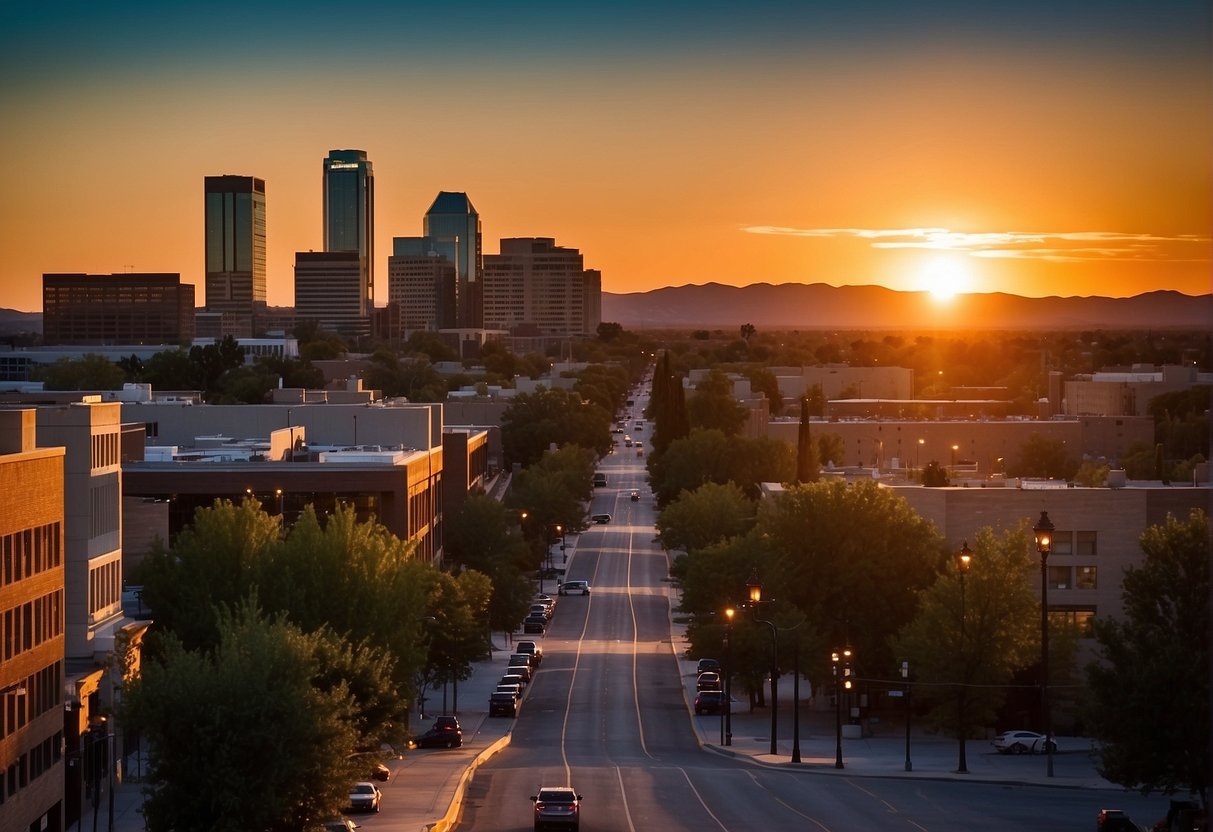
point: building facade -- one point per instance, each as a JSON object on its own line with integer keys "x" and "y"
{"x": 452, "y": 217}
{"x": 349, "y": 215}
{"x": 534, "y": 287}
{"x": 136, "y": 308}
{"x": 330, "y": 289}
{"x": 235, "y": 251}
{"x": 32, "y": 767}
{"x": 422, "y": 283}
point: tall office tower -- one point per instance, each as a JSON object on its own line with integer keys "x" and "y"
{"x": 453, "y": 217}
{"x": 31, "y": 613}
{"x": 117, "y": 309}
{"x": 349, "y": 212}
{"x": 422, "y": 275}
{"x": 235, "y": 251}
{"x": 534, "y": 287}
{"x": 330, "y": 289}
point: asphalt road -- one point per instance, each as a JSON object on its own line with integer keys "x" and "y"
{"x": 606, "y": 713}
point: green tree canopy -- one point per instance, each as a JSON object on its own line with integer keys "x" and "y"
{"x": 710, "y": 514}
{"x": 89, "y": 372}
{"x": 535, "y": 421}
{"x": 710, "y": 456}
{"x": 261, "y": 694}
{"x": 714, "y": 407}
{"x": 1040, "y": 456}
{"x": 1150, "y": 685}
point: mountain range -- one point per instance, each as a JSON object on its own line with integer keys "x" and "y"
{"x": 801, "y": 306}
{"x": 808, "y": 306}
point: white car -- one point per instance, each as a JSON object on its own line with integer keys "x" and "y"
{"x": 365, "y": 797}
{"x": 570, "y": 587}
{"x": 1022, "y": 742}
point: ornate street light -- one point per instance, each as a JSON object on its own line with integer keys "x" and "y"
{"x": 1044, "y": 544}
{"x": 728, "y": 670}
{"x": 754, "y": 589}
{"x": 841, "y": 660}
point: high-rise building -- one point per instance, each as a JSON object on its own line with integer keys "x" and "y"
{"x": 536, "y": 288}
{"x": 452, "y": 217}
{"x": 235, "y": 251}
{"x": 349, "y": 212}
{"x": 117, "y": 309}
{"x": 31, "y": 627}
{"x": 422, "y": 276}
{"x": 329, "y": 289}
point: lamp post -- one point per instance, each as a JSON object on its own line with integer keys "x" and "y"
{"x": 905, "y": 674}
{"x": 918, "y": 454}
{"x": 836, "y": 657}
{"x": 754, "y": 586}
{"x": 796, "y": 704}
{"x": 727, "y": 716}
{"x": 1044, "y": 543}
{"x": 955, "y": 448}
{"x": 963, "y": 559}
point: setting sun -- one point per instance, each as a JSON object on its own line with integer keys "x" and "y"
{"x": 944, "y": 278}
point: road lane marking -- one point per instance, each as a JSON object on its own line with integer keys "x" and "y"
{"x": 627, "y": 812}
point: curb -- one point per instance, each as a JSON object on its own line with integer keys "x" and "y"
{"x": 455, "y": 811}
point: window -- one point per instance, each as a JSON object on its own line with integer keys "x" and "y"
{"x": 1081, "y": 618}
{"x": 1059, "y": 577}
{"x": 1063, "y": 543}
{"x": 1084, "y": 577}
{"x": 1086, "y": 544}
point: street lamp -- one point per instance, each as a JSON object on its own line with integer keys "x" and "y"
{"x": 955, "y": 448}
{"x": 842, "y": 678}
{"x": 727, "y": 716}
{"x": 963, "y": 559}
{"x": 754, "y": 587}
{"x": 905, "y": 674}
{"x": 918, "y": 454}
{"x": 1044, "y": 543}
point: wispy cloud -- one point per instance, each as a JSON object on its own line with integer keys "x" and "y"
{"x": 1056, "y": 246}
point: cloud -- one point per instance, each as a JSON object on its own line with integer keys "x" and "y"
{"x": 1056, "y": 246}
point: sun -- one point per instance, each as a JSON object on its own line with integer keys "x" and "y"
{"x": 944, "y": 278}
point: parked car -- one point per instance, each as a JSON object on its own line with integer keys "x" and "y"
{"x": 708, "y": 681}
{"x": 521, "y": 658}
{"x": 710, "y": 702}
{"x": 1022, "y": 742}
{"x": 530, "y": 648}
{"x": 534, "y": 624}
{"x": 575, "y": 587}
{"x": 365, "y": 797}
{"x": 503, "y": 704}
{"x": 1114, "y": 820}
{"x": 541, "y": 609}
{"x": 513, "y": 690}
{"x": 523, "y": 670}
{"x": 708, "y": 666}
{"x": 511, "y": 679}
{"x": 557, "y": 807}
{"x": 339, "y": 825}
{"x": 380, "y": 772}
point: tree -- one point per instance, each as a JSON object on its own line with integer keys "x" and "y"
{"x": 763, "y": 381}
{"x": 710, "y": 456}
{"x": 831, "y": 449}
{"x": 608, "y": 331}
{"x": 484, "y": 536}
{"x": 1040, "y": 456}
{"x": 209, "y": 737}
{"x": 89, "y": 372}
{"x": 972, "y": 631}
{"x": 212, "y": 361}
{"x": 1150, "y": 686}
{"x": 714, "y": 406}
{"x": 808, "y": 466}
{"x": 535, "y": 421}
{"x": 747, "y": 332}
{"x": 707, "y": 515}
{"x": 1092, "y": 474}
{"x": 935, "y": 475}
{"x": 171, "y": 370}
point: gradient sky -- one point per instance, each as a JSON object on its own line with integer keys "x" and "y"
{"x": 1038, "y": 148}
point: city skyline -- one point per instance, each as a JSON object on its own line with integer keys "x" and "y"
{"x": 1022, "y": 148}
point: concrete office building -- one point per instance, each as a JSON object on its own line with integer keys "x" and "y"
{"x": 1128, "y": 392}
{"x": 330, "y": 289}
{"x": 349, "y": 216}
{"x": 235, "y": 252}
{"x": 536, "y": 288}
{"x": 452, "y": 217}
{"x": 135, "y": 308}
{"x": 31, "y": 627}
{"x": 422, "y": 283}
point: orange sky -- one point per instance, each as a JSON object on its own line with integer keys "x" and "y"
{"x": 1053, "y": 152}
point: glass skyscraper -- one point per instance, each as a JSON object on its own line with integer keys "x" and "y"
{"x": 453, "y": 217}
{"x": 349, "y": 211}
{"x": 235, "y": 250}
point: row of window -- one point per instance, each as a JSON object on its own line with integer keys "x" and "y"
{"x": 105, "y": 450}
{"x": 104, "y": 589}
{"x": 30, "y": 765}
{"x": 105, "y": 516}
{"x": 1074, "y": 543}
{"x": 41, "y": 695}
{"x": 30, "y": 551}
{"x": 28, "y": 625}
{"x": 1072, "y": 577}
